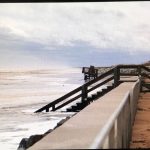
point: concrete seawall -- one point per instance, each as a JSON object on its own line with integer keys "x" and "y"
{"x": 80, "y": 130}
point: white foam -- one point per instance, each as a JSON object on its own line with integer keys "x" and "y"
{"x": 23, "y": 93}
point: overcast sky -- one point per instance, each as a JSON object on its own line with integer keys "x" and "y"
{"x": 42, "y": 35}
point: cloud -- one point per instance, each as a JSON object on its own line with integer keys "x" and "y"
{"x": 105, "y": 27}
{"x": 16, "y": 52}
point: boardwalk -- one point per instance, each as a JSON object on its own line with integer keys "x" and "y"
{"x": 141, "y": 127}
{"x": 106, "y": 122}
{"x": 80, "y": 131}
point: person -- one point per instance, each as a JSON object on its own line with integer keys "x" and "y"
{"x": 92, "y": 72}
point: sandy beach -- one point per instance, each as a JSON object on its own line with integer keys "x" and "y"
{"x": 23, "y": 92}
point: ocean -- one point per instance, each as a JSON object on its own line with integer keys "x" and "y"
{"x": 23, "y": 92}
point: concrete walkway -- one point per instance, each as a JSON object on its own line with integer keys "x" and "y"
{"x": 80, "y": 131}
{"x": 141, "y": 128}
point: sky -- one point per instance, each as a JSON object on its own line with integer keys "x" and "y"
{"x": 48, "y": 35}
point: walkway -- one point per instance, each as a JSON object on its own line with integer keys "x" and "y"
{"x": 80, "y": 131}
{"x": 141, "y": 127}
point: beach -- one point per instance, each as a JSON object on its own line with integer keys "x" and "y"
{"x": 23, "y": 92}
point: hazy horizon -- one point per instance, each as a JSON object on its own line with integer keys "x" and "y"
{"x": 64, "y": 35}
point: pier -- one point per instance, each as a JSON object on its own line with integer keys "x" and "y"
{"x": 106, "y": 119}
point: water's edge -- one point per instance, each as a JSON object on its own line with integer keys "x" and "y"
{"x": 25, "y": 143}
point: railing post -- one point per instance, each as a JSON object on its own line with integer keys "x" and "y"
{"x": 47, "y": 109}
{"x": 53, "y": 108}
{"x": 140, "y": 76}
{"x": 84, "y": 93}
{"x": 139, "y": 70}
{"x": 112, "y": 137}
{"x": 116, "y": 76}
{"x": 141, "y": 86}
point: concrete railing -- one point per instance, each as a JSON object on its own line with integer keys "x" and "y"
{"x": 105, "y": 123}
{"x": 116, "y": 133}
{"x": 134, "y": 96}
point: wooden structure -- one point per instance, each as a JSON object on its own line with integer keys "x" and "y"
{"x": 90, "y": 72}
{"x": 112, "y": 76}
{"x": 104, "y": 124}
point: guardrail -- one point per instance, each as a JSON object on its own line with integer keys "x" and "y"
{"x": 82, "y": 92}
{"x": 117, "y": 131}
{"x": 135, "y": 70}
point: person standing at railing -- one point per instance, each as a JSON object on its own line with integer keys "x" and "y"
{"x": 93, "y": 72}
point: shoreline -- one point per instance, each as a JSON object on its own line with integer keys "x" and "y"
{"x": 29, "y": 91}
{"x": 25, "y": 143}
{"x": 35, "y": 138}
{"x": 28, "y": 142}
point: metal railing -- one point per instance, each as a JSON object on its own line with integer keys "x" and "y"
{"x": 116, "y": 133}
